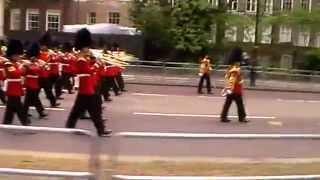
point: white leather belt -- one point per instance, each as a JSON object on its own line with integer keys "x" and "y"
{"x": 14, "y": 80}
{"x": 84, "y": 75}
{"x": 65, "y": 64}
{"x": 53, "y": 63}
{"x": 32, "y": 76}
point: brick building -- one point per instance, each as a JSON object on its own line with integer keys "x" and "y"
{"x": 51, "y": 15}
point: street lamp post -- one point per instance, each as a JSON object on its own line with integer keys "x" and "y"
{"x": 256, "y": 39}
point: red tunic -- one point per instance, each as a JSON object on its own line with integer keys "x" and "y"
{"x": 86, "y": 80}
{"x": 44, "y": 56}
{"x": 68, "y": 63}
{"x": 53, "y": 62}
{"x": 14, "y": 75}
{"x": 2, "y": 74}
{"x": 32, "y": 76}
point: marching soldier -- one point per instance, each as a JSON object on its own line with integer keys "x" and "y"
{"x": 2, "y": 79}
{"x": 54, "y": 77}
{"x": 205, "y": 68}
{"x": 44, "y": 42}
{"x": 32, "y": 73}
{"x": 14, "y": 90}
{"x": 86, "y": 98}
{"x": 233, "y": 87}
{"x": 67, "y": 62}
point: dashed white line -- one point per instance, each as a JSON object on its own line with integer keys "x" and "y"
{"x": 167, "y": 95}
{"x": 145, "y": 94}
{"x": 298, "y": 100}
{"x": 198, "y": 115}
{"x": 275, "y": 123}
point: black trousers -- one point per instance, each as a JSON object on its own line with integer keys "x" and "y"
{"x": 120, "y": 82}
{"x": 14, "y": 105}
{"x": 65, "y": 80}
{"x": 82, "y": 104}
{"x": 56, "y": 84}
{"x": 239, "y": 101}
{"x": 107, "y": 84}
{"x": 206, "y": 77}
{"x": 45, "y": 85}
{"x": 32, "y": 99}
{"x": 3, "y": 96}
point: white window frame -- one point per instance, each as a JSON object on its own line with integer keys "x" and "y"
{"x": 35, "y": 11}
{"x": 317, "y": 41}
{"x": 304, "y": 38}
{"x": 249, "y": 34}
{"x": 54, "y": 13}
{"x": 253, "y": 5}
{"x": 214, "y": 3}
{"x": 14, "y": 25}
{"x": 309, "y": 5}
{"x": 282, "y": 4}
{"x": 231, "y": 34}
{"x": 113, "y": 12}
{"x": 233, "y": 2}
{"x": 285, "y": 34}
{"x": 266, "y": 35}
{"x": 268, "y": 7}
{"x": 90, "y": 18}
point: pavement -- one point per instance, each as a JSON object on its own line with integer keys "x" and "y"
{"x": 218, "y": 82}
{"x": 174, "y": 109}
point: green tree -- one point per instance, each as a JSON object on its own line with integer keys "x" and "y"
{"x": 191, "y": 25}
{"x": 152, "y": 20}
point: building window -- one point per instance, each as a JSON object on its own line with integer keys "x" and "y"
{"x": 306, "y": 4}
{"x": 231, "y": 34}
{"x": 317, "y": 43}
{"x": 268, "y": 8}
{"x": 114, "y": 17}
{"x": 15, "y": 19}
{"x": 213, "y": 3}
{"x": 303, "y": 38}
{"x": 92, "y": 18}
{"x": 249, "y": 34}
{"x": 285, "y": 34}
{"x": 233, "y": 5}
{"x": 286, "y": 5}
{"x": 33, "y": 20}
{"x": 251, "y": 5}
{"x": 266, "y": 35}
{"x": 53, "y": 20}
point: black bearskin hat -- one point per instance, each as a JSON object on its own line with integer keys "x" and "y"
{"x": 46, "y": 39}
{"x": 33, "y": 50}
{"x": 235, "y": 56}
{"x": 67, "y": 47}
{"x": 15, "y": 47}
{"x": 83, "y": 39}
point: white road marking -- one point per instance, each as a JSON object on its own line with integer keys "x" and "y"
{"x": 48, "y": 108}
{"x": 176, "y": 78}
{"x": 199, "y": 115}
{"x": 145, "y": 94}
{"x": 124, "y": 75}
{"x": 167, "y": 95}
{"x": 298, "y": 100}
{"x": 125, "y": 177}
{"x": 275, "y": 123}
{"x": 218, "y": 136}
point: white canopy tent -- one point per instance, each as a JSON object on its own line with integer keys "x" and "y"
{"x": 102, "y": 29}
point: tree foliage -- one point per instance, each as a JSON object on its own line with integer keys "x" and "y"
{"x": 186, "y": 27}
{"x": 298, "y": 17}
